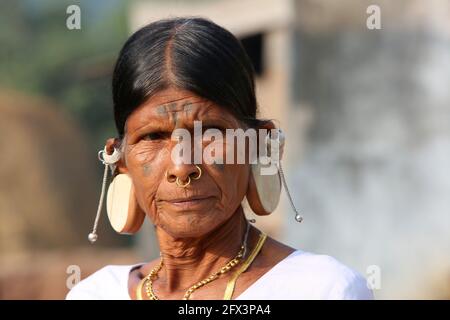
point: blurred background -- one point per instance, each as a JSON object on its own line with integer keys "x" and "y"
{"x": 361, "y": 89}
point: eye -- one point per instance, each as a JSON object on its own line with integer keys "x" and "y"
{"x": 153, "y": 136}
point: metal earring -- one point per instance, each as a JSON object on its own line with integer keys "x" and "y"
{"x": 110, "y": 162}
{"x": 252, "y": 220}
{"x": 281, "y": 138}
{"x": 298, "y": 216}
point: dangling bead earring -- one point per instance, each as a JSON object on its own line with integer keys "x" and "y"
{"x": 109, "y": 162}
{"x": 297, "y": 217}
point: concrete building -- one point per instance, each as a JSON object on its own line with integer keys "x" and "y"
{"x": 367, "y": 117}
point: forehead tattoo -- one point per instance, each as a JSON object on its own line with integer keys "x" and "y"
{"x": 173, "y": 109}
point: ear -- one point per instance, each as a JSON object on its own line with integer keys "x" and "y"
{"x": 124, "y": 212}
{"x": 112, "y": 143}
{"x": 268, "y": 125}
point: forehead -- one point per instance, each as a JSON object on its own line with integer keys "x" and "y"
{"x": 175, "y": 101}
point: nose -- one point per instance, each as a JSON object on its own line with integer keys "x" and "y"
{"x": 183, "y": 172}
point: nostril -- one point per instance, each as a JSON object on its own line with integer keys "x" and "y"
{"x": 197, "y": 174}
{"x": 183, "y": 174}
{"x": 194, "y": 175}
{"x": 170, "y": 177}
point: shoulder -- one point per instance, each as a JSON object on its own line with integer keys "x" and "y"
{"x": 110, "y": 282}
{"x": 336, "y": 280}
{"x": 305, "y": 275}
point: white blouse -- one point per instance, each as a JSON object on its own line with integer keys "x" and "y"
{"x": 301, "y": 275}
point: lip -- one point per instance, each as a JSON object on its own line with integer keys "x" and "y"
{"x": 190, "y": 202}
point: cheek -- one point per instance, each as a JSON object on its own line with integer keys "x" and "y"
{"x": 145, "y": 167}
{"x": 232, "y": 180}
{"x": 238, "y": 170}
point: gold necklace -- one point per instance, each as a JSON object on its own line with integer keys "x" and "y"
{"x": 147, "y": 282}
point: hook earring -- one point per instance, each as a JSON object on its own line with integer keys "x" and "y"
{"x": 109, "y": 161}
{"x": 252, "y": 220}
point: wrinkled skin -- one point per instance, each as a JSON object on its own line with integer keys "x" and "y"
{"x": 197, "y": 237}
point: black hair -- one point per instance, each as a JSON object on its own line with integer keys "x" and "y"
{"x": 189, "y": 53}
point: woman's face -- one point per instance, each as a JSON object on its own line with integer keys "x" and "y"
{"x": 148, "y": 156}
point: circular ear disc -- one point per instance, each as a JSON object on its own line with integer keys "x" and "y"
{"x": 264, "y": 191}
{"x": 124, "y": 213}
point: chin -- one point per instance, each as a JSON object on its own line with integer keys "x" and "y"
{"x": 190, "y": 224}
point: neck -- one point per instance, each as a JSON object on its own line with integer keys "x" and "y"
{"x": 189, "y": 260}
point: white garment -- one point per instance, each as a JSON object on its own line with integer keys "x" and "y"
{"x": 301, "y": 275}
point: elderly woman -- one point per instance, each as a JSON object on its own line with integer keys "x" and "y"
{"x": 169, "y": 75}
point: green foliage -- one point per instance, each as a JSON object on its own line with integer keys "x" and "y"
{"x": 40, "y": 55}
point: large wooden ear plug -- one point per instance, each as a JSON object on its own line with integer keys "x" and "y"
{"x": 124, "y": 213}
{"x": 264, "y": 189}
